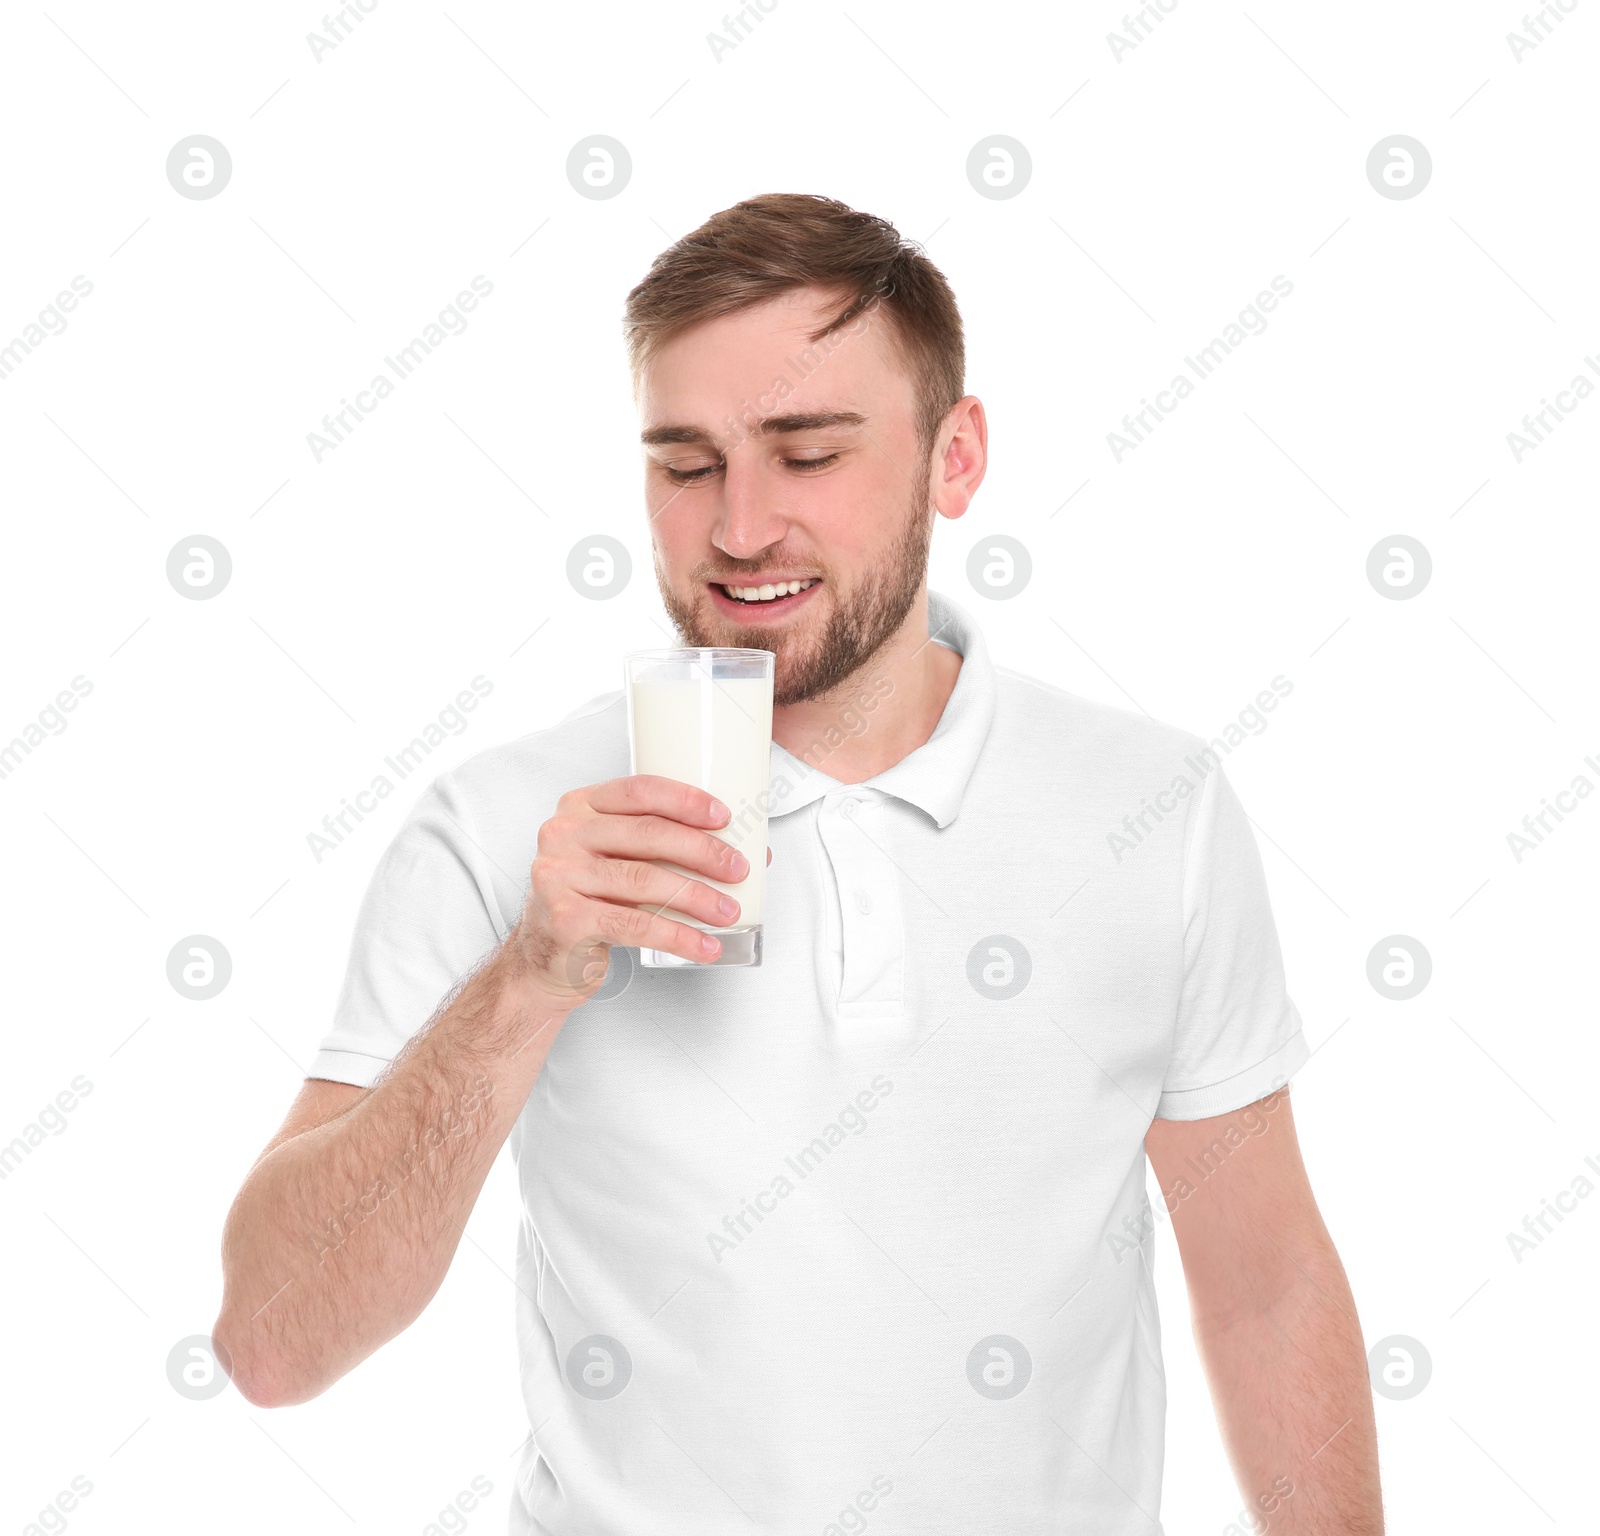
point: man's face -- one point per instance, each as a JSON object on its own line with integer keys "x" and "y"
{"x": 763, "y": 465}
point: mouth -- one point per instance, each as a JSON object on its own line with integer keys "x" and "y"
{"x": 754, "y": 602}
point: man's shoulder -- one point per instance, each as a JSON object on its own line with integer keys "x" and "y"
{"x": 1090, "y": 730}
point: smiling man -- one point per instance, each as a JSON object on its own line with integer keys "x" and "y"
{"x": 857, "y": 1238}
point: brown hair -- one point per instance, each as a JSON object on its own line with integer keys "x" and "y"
{"x": 768, "y": 245}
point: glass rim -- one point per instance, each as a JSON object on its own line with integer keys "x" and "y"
{"x": 681, "y": 653}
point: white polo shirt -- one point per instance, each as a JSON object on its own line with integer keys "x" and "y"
{"x": 858, "y": 1239}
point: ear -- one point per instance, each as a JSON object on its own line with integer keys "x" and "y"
{"x": 960, "y": 469}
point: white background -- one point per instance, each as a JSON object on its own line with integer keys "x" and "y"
{"x": 1168, "y": 187}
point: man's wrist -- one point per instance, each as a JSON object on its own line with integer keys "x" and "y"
{"x": 557, "y": 983}
{"x": 529, "y": 1001}
{"x": 502, "y": 1011}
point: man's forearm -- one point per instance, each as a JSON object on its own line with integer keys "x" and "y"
{"x": 342, "y": 1233}
{"x": 1288, "y": 1376}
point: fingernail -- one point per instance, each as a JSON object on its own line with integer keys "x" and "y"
{"x": 708, "y": 944}
{"x": 719, "y": 810}
{"x": 727, "y": 906}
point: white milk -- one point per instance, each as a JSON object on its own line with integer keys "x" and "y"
{"x": 716, "y": 735}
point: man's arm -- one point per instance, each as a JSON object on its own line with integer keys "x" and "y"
{"x": 1273, "y": 1319}
{"x": 347, "y": 1223}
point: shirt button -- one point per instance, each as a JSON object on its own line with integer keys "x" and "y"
{"x": 863, "y": 902}
{"x": 848, "y": 810}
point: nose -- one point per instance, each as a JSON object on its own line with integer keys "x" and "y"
{"x": 750, "y": 520}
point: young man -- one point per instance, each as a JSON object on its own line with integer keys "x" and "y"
{"x": 856, "y": 1238}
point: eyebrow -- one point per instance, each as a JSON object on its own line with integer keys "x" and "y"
{"x": 768, "y": 426}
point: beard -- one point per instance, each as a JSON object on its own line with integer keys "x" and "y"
{"x": 812, "y": 666}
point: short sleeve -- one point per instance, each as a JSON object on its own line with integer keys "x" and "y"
{"x": 427, "y": 918}
{"x": 1238, "y": 1034}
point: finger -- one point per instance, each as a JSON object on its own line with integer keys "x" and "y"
{"x": 649, "y": 930}
{"x": 652, "y": 836}
{"x": 641, "y": 794}
{"x": 636, "y": 882}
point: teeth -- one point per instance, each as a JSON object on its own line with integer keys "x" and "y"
{"x": 766, "y": 593}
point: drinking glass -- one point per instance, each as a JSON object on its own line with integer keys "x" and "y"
{"x": 703, "y": 715}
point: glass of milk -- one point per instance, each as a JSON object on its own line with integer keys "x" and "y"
{"x": 704, "y": 716}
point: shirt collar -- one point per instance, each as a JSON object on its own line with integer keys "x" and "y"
{"x": 935, "y": 775}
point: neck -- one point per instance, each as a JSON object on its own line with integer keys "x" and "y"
{"x": 887, "y": 709}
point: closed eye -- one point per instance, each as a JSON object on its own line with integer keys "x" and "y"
{"x": 690, "y": 476}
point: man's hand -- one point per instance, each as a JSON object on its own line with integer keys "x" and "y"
{"x": 1273, "y": 1319}
{"x": 593, "y": 884}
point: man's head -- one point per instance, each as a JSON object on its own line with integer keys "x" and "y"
{"x": 799, "y": 371}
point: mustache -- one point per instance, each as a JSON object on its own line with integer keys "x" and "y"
{"x": 756, "y": 570}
